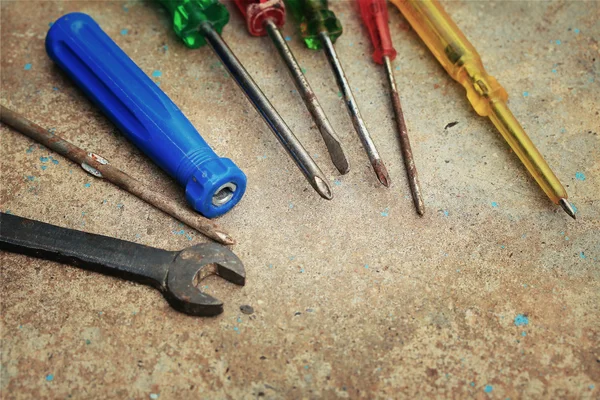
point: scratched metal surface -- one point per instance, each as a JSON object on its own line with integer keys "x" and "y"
{"x": 493, "y": 294}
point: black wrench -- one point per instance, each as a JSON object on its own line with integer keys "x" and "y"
{"x": 172, "y": 272}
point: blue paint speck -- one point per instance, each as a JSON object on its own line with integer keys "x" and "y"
{"x": 558, "y": 41}
{"x": 488, "y": 388}
{"x": 554, "y": 70}
{"x": 27, "y": 67}
{"x": 592, "y": 387}
{"x": 87, "y": 185}
{"x": 581, "y": 255}
{"x": 337, "y": 182}
{"x": 494, "y": 204}
{"x": 576, "y": 31}
{"x": 154, "y": 396}
{"x": 119, "y": 205}
{"x": 124, "y": 32}
{"x": 580, "y": 176}
{"x": 156, "y": 73}
{"x": 291, "y": 205}
{"x": 30, "y": 149}
{"x": 398, "y": 68}
{"x": 287, "y": 38}
{"x": 49, "y": 377}
{"x": 525, "y": 94}
{"x": 235, "y": 328}
{"x": 385, "y": 212}
{"x": 44, "y": 167}
{"x": 306, "y": 367}
{"x": 31, "y": 178}
{"x": 44, "y": 159}
{"x": 473, "y": 384}
{"x": 55, "y": 162}
{"x": 523, "y": 333}
{"x": 127, "y": 9}
{"x": 367, "y": 266}
{"x": 521, "y": 320}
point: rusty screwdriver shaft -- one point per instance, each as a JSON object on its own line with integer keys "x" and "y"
{"x": 333, "y": 143}
{"x": 357, "y": 120}
{"x": 409, "y": 163}
{"x": 100, "y": 168}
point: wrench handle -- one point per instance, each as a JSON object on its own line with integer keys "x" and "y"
{"x": 103, "y": 254}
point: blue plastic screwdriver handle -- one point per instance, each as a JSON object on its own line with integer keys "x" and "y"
{"x": 144, "y": 113}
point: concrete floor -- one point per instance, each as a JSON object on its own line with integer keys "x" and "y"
{"x": 495, "y": 293}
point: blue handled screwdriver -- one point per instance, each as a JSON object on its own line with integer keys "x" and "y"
{"x": 144, "y": 113}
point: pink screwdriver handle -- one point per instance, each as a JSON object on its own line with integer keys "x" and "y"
{"x": 256, "y": 12}
{"x": 375, "y": 16}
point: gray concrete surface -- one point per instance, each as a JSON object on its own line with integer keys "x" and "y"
{"x": 493, "y": 294}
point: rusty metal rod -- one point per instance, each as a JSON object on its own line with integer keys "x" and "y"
{"x": 100, "y": 168}
{"x": 409, "y": 162}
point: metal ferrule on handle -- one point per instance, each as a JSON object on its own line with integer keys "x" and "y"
{"x": 144, "y": 113}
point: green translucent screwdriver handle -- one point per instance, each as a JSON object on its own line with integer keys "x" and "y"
{"x": 189, "y": 14}
{"x": 314, "y": 17}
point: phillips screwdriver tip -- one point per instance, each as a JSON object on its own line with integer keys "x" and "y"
{"x": 567, "y": 207}
{"x": 322, "y": 188}
{"x": 381, "y": 172}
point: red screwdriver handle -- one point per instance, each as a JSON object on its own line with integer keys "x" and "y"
{"x": 375, "y": 16}
{"x": 257, "y": 12}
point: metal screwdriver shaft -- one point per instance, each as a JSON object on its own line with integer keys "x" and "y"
{"x": 333, "y": 143}
{"x": 320, "y": 28}
{"x": 357, "y": 120}
{"x": 198, "y": 22}
{"x": 264, "y": 18}
{"x": 375, "y": 17}
{"x": 409, "y": 162}
{"x": 303, "y": 160}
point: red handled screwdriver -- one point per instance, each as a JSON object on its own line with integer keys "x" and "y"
{"x": 375, "y": 16}
{"x": 265, "y": 17}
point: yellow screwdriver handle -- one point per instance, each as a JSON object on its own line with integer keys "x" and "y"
{"x": 462, "y": 62}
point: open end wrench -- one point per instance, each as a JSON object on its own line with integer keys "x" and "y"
{"x": 172, "y": 272}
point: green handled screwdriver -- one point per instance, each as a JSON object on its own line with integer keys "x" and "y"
{"x": 198, "y": 22}
{"x": 320, "y": 28}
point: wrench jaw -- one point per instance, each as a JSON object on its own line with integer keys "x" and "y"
{"x": 194, "y": 261}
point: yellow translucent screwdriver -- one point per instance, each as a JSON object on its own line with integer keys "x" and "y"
{"x": 462, "y": 62}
